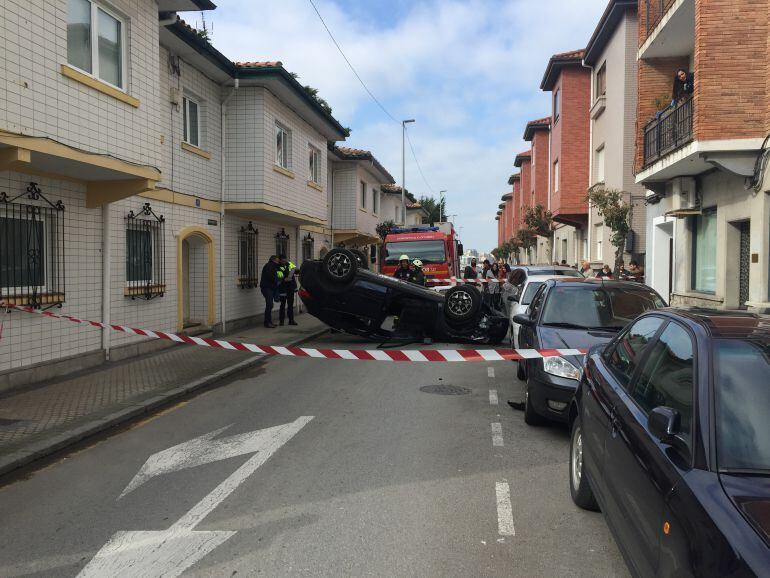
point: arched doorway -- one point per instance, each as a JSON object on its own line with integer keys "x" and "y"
{"x": 195, "y": 278}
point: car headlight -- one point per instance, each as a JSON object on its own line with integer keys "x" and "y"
{"x": 561, "y": 367}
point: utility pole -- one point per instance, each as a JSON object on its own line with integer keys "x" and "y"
{"x": 441, "y": 206}
{"x": 403, "y": 169}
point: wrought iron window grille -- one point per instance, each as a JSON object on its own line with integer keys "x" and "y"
{"x": 32, "y": 266}
{"x": 247, "y": 257}
{"x": 282, "y": 243}
{"x": 145, "y": 254}
{"x": 308, "y": 247}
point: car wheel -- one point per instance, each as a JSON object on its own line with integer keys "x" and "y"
{"x": 579, "y": 487}
{"x": 363, "y": 263}
{"x": 461, "y": 303}
{"x": 520, "y": 372}
{"x": 531, "y": 417}
{"x": 340, "y": 265}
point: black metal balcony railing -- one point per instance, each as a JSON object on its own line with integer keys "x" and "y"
{"x": 655, "y": 9}
{"x": 670, "y": 131}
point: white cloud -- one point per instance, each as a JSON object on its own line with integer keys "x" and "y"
{"x": 469, "y": 72}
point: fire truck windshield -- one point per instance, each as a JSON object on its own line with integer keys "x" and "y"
{"x": 425, "y": 251}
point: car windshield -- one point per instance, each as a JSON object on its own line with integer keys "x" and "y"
{"x": 425, "y": 251}
{"x": 559, "y": 272}
{"x": 600, "y": 307}
{"x": 742, "y": 396}
{"x": 530, "y": 291}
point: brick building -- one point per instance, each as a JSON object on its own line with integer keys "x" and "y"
{"x": 708, "y": 209}
{"x": 569, "y": 84}
{"x": 523, "y": 162}
{"x": 537, "y": 132}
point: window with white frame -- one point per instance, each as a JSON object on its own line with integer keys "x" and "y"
{"x": 375, "y": 200}
{"x": 601, "y": 81}
{"x": 598, "y": 235}
{"x": 96, "y": 41}
{"x": 363, "y": 195}
{"x": 556, "y": 176}
{"x": 600, "y": 164}
{"x": 191, "y": 117}
{"x": 314, "y": 163}
{"x": 282, "y": 146}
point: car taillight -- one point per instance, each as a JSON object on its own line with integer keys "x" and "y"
{"x": 305, "y": 294}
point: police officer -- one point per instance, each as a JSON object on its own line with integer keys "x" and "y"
{"x": 418, "y": 277}
{"x": 403, "y": 273}
{"x": 286, "y": 289}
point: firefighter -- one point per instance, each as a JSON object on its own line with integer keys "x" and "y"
{"x": 417, "y": 277}
{"x": 403, "y": 273}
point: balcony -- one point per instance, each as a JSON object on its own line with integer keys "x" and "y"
{"x": 671, "y": 131}
{"x": 654, "y": 11}
{"x": 670, "y": 30}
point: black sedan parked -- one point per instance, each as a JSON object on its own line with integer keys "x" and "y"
{"x": 670, "y": 437}
{"x": 572, "y": 314}
{"x": 342, "y": 293}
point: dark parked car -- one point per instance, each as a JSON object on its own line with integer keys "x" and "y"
{"x": 572, "y": 314}
{"x": 671, "y": 438}
{"x": 342, "y": 293}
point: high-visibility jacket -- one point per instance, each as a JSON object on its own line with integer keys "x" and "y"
{"x": 286, "y": 277}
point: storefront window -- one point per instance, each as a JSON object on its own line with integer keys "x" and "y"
{"x": 704, "y": 251}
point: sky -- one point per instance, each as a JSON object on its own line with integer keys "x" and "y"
{"x": 467, "y": 71}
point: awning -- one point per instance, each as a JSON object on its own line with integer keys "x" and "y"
{"x": 107, "y": 178}
{"x": 266, "y": 212}
{"x": 682, "y": 213}
{"x": 355, "y": 238}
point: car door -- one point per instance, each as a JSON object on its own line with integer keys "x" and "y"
{"x": 641, "y": 470}
{"x": 528, "y": 334}
{"x": 611, "y": 372}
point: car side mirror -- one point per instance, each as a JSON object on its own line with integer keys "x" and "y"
{"x": 525, "y": 320}
{"x": 664, "y": 423}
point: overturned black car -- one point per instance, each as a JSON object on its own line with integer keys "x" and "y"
{"x": 340, "y": 291}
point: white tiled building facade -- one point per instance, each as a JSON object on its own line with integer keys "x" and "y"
{"x": 146, "y": 128}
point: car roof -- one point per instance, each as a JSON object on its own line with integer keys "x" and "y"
{"x": 724, "y": 323}
{"x": 593, "y": 283}
{"x": 542, "y": 278}
{"x": 533, "y": 268}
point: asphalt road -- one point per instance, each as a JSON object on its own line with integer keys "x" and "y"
{"x": 384, "y": 480}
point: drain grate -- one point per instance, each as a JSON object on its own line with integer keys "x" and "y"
{"x": 441, "y": 389}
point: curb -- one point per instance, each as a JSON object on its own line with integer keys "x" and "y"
{"x": 46, "y": 447}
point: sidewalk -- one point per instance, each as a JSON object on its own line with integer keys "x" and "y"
{"x": 42, "y": 419}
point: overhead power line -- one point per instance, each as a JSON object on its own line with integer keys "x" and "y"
{"x": 419, "y": 168}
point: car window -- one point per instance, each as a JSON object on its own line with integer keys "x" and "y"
{"x": 537, "y": 302}
{"x": 529, "y": 292}
{"x": 666, "y": 378}
{"x": 595, "y": 307}
{"x": 625, "y": 354}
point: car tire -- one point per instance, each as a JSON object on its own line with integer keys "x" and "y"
{"x": 579, "y": 486}
{"x": 363, "y": 263}
{"x": 340, "y": 265}
{"x": 531, "y": 417}
{"x": 520, "y": 372}
{"x": 462, "y": 303}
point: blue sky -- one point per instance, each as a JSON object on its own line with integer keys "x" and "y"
{"x": 467, "y": 71}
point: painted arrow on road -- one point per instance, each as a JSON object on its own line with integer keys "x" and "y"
{"x": 170, "y": 552}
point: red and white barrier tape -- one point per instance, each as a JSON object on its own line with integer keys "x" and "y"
{"x": 408, "y": 355}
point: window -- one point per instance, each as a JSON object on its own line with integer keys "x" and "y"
{"x": 247, "y": 257}
{"x": 425, "y": 251}
{"x": 600, "y": 164}
{"x": 282, "y": 146}
{"x": 32, "y": 255}
{"x": 601, "y": 81}
{"x": 537, "y": 303}
{"x": 598, "y": 235}
{"x": 624, "y": 356}
{"x": 95, "y": 41}
{"x": 145, "y": 254}
{"x": 314, "y": 163}
{"x": 363, "y": 195}
{"x": 282, "y": 243}
{"x": 704, "y": 251}
{"x": 308, "y": 247}
{"x": 666, "y": 379}
{"x": 374, "y": 200}
{"x": 564, "y": 249}
{"x": 530, "y": 291}
{"x": 191, "y": 117}
{"x": 556, "y": 105}
{"x": 556, "y": 176}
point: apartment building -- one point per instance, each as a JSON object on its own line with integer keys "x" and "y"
{"x": 569, "y": 84}
{"x": 523, "y": 162}
{"x": 144, "y": 178}
{"x": 356, "y": 206}
{"x": 610, "y": 61}
{"x": 498, "y": 221}
{"x": 507, "y": 200}
{"x": 416, "y": 214}
{"x": 412, "y": 213}
{"x": 703, "y": 158}
{"x": 538, "y": 132}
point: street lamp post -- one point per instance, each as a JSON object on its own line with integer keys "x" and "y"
{"x": 441, "y": 205}
{"x": 403, "y": 169}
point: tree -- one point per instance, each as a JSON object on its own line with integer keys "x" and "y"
{"x": 539, "y": 220}
{"x": 384, "y": 228}
{"x": 616, "y": 213}
{"x": 515, "y": 245}
{"x": 526, "y": 238}
{"x": 432, "y": 207}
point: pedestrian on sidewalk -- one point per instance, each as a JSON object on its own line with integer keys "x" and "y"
{"x": 286, "y": 288}
{"x": 268, "y": 284}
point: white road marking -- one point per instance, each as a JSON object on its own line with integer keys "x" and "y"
{"x": 170, "y": 552}
{"x": 493, "y": 397}
{"x": 504, "y": 510}
{"x": 490, "y": 371}
{"x": 497, "y": 435}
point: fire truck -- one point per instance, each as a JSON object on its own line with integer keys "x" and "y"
{"x": 436, "y": 245}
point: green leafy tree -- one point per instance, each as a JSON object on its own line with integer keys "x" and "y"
{"x": 616, "y": 213}
{"x": 527, "y": 239}
{"x": 384, "y": 228}
{"x": 540, "y": 221}
{"x": 432, "y": 206}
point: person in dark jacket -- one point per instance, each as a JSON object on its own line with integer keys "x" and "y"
{"x": 684, "y": 84}
{"x": 418, "y": 277}
{"x": 470, "y": 271}
{"x": 287, "y": 286}
{"x": 403, "y": 272}
{"x": 268, "y": 284}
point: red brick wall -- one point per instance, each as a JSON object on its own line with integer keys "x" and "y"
{"x": 516, "y": 206}
{"x": 570, "y": 142}
{"x": 654, "y": 16}
{"x": 525, "y": 194}
{"x": 730, "y": 69}
{"x": 539, "y": 175}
